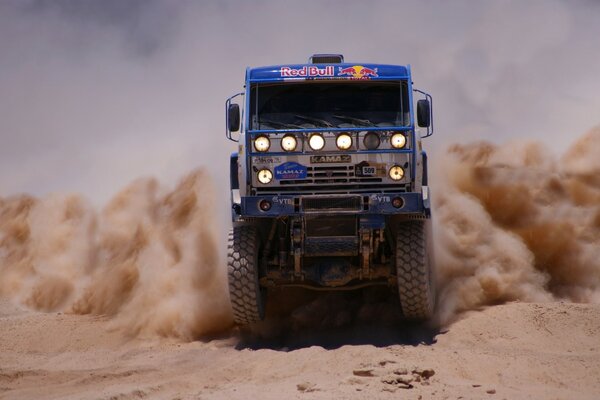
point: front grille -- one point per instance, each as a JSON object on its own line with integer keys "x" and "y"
{"x": 334, "y": 179}
{"x": 334, "y": 189}
{"x": 346, "y": 203}
{"x": 331, "y": 175}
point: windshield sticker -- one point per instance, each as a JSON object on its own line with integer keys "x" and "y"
{"x": 358, "y": 72}
{"x": 290, "y": 170}
{"x": 307, "y": 71}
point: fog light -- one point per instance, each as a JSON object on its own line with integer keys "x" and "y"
{"x": 265, "y": 176}
{"x": 264, "y": 205}
{"x": 396, "y": 172}
{"x": 397, "y": 202}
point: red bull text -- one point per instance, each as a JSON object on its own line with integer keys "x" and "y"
{"x": 307, "y": 71}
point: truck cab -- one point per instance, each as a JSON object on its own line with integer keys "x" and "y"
{"x": 329, "y": 186}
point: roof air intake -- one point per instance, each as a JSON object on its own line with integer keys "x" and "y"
{"x": 326, "y": 59}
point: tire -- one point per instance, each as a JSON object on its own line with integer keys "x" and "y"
{"x": 247, "y": 301}
{"x": 414, "y": 269}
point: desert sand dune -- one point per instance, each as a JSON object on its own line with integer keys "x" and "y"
{"x": 512, "y": 351}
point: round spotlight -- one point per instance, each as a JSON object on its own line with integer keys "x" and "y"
{"x": 265, "y": 176}
{"x": 396, "y": 172}
{"x": 262, "y": 143}
{"x": 397, "y": 202}
{"x": 264, "y": 205}
{"x": 371, "y": 141}
{"x": 316, "y": 141}
{"x": 289, "y": 143}
{"x": 398, "y": 140}
{"x": 343, "y": 141}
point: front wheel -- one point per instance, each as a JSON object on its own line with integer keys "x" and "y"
{"x": 247, "y": 300}
{"x": 414, "y": 269}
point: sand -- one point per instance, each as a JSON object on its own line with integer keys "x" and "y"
{"x": 511, "y": 351}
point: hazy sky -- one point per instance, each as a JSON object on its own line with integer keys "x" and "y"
{"x": 95, "y": 93}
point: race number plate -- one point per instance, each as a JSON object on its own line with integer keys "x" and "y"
{"x": 369, "y": 171}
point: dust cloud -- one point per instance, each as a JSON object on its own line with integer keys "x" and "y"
{"x": 513, "y": 223}
{"x": 516, "y": 223}
{"x": 150, "y": 258}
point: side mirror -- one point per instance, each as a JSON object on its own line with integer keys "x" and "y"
{"x": 233, "y": 118}
{"x": 423, "y": 113}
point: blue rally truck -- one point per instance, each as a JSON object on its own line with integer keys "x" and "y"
{"x": 329, "y": 183}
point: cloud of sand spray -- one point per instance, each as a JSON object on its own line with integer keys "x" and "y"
{"x": 515, "y": 223}
{"x": 150, "y": 258}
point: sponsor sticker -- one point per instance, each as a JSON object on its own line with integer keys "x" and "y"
{"x": 379, "y": 198}
{"x": 335, "y": 158}
{"x": 290, "y": 170}
{"x": 266, "y": 160}
{"x": 358, "y": 72}
{"x": 307, "y": 72}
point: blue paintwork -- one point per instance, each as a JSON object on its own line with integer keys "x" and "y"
{"x": 255, "y": 132}
{"x": 383, "y": 72}
{"x": 283, "y": 205}
{"x": 277, "y": 73}
{"x": 372, "y": 221}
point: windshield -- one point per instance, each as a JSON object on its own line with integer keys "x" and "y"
{"x": 296, "y": 105}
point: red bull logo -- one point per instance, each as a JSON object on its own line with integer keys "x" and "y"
{"x": 307, "y": 72}
{"x": 358, "y": 72}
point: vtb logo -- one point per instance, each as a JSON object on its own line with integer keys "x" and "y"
{"x": 358, "y": 72}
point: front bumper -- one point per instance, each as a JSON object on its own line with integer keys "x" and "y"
{"x": 359, "y": 204}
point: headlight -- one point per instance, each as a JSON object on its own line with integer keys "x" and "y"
{"x": 398, "y": 140}
{"x": 371, "y": 141}
{"x": 262, "y": 143}
{"x": 289, "y": 143}
{"x": 396, "y": 172}
{"x": 265, "y": 176}
{"x": 343, "y": 141}
{"x": 316, "y": 141}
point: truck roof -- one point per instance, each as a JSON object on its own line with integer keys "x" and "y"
{"x": 336, "y": 71}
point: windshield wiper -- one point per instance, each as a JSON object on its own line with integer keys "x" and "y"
{"x": 324, "y": 123}
{"x": 357, "y": 121}
{"x": 278, "y": 124}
